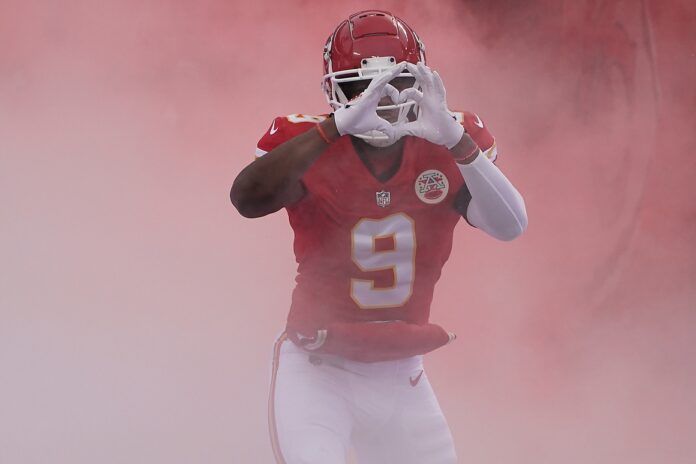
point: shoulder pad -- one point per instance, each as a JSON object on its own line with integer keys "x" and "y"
{"x": 284, "y": 128}
{"x": 474, "y": 126}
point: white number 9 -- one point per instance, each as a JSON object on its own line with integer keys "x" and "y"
{"x": 400, "y": 260}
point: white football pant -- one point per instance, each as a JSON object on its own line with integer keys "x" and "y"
{"x": 320, "y": 406}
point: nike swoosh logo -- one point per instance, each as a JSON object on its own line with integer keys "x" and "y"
{"x": 413, "y": 381}
{"x": 274, "y": 129}
{"x": 478, "y": 121}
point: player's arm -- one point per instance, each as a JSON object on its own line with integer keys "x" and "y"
{"x": 488, "y": 200}
{"x": 494, "y": 205}
{"x": 273, "y": 181}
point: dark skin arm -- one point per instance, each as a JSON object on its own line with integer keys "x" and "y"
{"x": 274, "y": 180}
{"x": 462, "y": 150}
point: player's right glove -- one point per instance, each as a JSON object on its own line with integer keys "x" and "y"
{"x": 434, "y": 123}
{"x": 360, "y": 116}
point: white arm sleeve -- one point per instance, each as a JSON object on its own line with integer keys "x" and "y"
{"x": 496, "y": 207}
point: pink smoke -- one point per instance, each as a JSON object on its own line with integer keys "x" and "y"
{"x": 137, "y": 309}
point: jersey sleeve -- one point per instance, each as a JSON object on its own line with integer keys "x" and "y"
{"x": 474, "y": 126}
{"x": 284, "y": 128}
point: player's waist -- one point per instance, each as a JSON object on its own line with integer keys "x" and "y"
{"x": 369, "y": 369}
{"x": 312, "y": 310}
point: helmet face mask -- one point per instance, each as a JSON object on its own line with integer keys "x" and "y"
{"x": 363, "y": 46}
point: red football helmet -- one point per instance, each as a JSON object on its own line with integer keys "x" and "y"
{"x": 362, "y": 46}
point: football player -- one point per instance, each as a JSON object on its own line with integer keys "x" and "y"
{"x": 373, "y": 192}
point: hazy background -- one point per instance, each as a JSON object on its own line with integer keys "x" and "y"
{"x": 138, "y": 310}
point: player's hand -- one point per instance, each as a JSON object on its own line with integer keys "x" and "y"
{"x": 434, "y": 123}
{"x": 360, "y": 116}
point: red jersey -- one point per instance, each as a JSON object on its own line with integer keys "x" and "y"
{"x": 371, "y": 250}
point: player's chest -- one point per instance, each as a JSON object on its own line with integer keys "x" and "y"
{"x": 346, "y": 189}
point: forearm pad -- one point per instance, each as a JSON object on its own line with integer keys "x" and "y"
{"x": 376, "y": 341}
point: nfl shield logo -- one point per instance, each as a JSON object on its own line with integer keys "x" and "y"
{"x": 383, "y": 199}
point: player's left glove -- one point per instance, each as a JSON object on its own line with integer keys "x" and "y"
{"x": 434, "y": 123}
{"x": 360, "y": 116}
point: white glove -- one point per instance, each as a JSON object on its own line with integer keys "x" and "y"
{"x": 360, "y": 116}
{"x": 434, "y": 123}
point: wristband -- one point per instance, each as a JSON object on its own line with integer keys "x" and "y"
{"x": 473, "y": 154}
